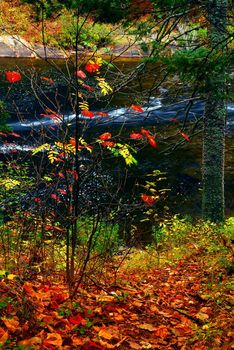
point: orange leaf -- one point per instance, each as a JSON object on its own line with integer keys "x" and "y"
{"x": 150, "y": 200}
{"x": 152, "y": 142}
{"x": 137, "y": 108}
{"x": 3, "y": 336}
{"x": 88, "y": 114}
{"x": 92, "y": 67}
{"x": 145, "y": 132}
{"x": 31, "y": 342}
{"x": 29, "y": 289}
{"x": 105, "y": 334}
{"x": 135, "y": 136}
{"x": 108, "y": 144}
{"x": 161, "y": 331}
{"x": 185, "y": 136}
{"x": 105, "y": 136}
{"x": 50, "y": 81}
{"x": 72, "y": 141}
{"x": 102, "y": 114}
{"x": 53, "y": 339}
{"x": 11, "y": 324}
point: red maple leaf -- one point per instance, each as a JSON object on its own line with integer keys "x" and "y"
{"x": 105, "y": 136}
{"x": 137, "y": 108}
{"x": 150, "y": 200}
{"x": 92, "y": 67}
{"x": 88, "y": 114}
{"x": 135, "y": 136}
{"x": 13, "y": 77}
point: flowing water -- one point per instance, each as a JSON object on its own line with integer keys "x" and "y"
{"x": 182, "y": 164}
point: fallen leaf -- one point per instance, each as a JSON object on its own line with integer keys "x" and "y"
{"x": 30, "y": 342}
{"x": 3, "y": 336}
{"x": 161, "y": 332}
{"x": 77, "y": 320}
{"x": 134, "y": 346}
{"x": 112, "y": 346}
{"x": 105, "y": 298}
{"x": 202, "y": 316}
{"x": 53, "y": 339}
{"x": 147, "y": 327}
{"x": 11, "y": 324}
{"x": 105, "y": 334}
{"x": 77, "y": 341}
{"x": 146, "y": 345}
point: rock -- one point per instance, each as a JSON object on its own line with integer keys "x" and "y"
{"x": 6, "y": 51}
{"x": 15, "y": 46}
{"x": 49, "y": 52}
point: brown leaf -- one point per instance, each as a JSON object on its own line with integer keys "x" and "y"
{"x": 161, "y": 332}
{"x": 147, "y": 326}
{"x": 134, "y": 345}
{"x": 112, "y": 346}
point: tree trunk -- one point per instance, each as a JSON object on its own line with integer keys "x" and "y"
{"x": 214, "y": 120}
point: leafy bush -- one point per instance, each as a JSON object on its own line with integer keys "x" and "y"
{"x": 98, "y": 34}
{"x": 106, "y": 238}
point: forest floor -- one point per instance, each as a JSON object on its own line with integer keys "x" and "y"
{"x": 186, "y": 305}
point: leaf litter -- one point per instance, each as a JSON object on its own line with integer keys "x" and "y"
{"x": 174, "y": 307}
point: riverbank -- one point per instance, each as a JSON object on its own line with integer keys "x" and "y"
{"x": 16, "y": 47}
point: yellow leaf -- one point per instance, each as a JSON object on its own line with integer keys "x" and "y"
{"x": 11, "y": 276}
{"x": 105, "y": 297}
{"x": 105, "y": 334}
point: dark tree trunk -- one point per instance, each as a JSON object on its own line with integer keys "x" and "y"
{"x": 215, "y": 119}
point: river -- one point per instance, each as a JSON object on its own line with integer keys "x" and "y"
{"x": 162, "y": 113}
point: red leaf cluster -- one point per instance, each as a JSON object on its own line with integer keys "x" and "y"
{"x": 150, "y": 200}
{"x": 144, "y": 133}
{"x": 137, "y": 108}
{"x": 105, "y": 136}
{"x": 92, "y": 67}
{"x": 80, "y": 74}
{"x": 88, "y": 114}
{"x": 13, "y": 76}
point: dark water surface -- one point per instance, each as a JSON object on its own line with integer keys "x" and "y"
{"x": 182, "y": 164}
